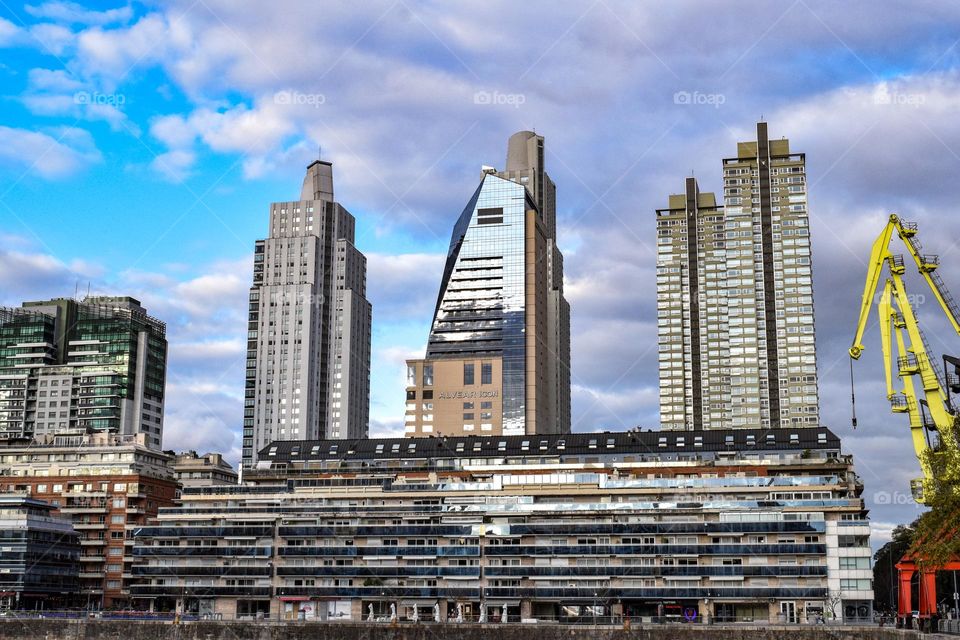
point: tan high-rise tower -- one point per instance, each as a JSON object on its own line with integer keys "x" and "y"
{"x": 735, "y": 297}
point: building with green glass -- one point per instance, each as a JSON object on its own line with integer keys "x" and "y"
{"x": 96, "y": 365}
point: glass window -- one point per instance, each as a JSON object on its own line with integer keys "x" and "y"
{"x": 486, "y": 373}
{"x": 468, "y": 373}
{"x": 411, "y": 375}
{"x": 428, "y": 375}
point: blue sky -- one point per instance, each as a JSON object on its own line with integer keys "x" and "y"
{"x": 140, "y": 146}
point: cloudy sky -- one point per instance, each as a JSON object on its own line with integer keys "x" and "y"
{"x": 140, "y": 146}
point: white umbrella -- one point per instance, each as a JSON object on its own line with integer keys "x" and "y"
{"x": 459, "y": 612}
{"x": 483, "y": 612}
{"x": 369, "y": 613}
{"x": 503, "y": 616}
{"x": 436, "y": 612}
{"x": 393, "y": 612}
{"x": 416, "y": 614}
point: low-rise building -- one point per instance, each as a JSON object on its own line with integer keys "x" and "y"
{"x": 192, "y": 470}
{"x": 745, "y": 525}
{"x": 39, "y": 554}
{"x": 108, "y": 485}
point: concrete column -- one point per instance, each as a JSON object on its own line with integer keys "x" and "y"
{"x": 526, "y": 609}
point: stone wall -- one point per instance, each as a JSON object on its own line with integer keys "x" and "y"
{"x": 126, "y": 630}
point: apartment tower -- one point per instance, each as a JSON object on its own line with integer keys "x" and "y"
{"x": 498, "y": 354}
{"x": 308, "y": 341}
{"x": 735, "y": 297}
{"x": 94, "y": 365}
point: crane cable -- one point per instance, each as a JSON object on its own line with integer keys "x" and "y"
{"x": 853, "y": 398}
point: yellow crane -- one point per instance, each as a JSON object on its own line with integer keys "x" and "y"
{"x": 910, "y": 353}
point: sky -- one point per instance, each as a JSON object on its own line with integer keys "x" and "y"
{"x": 141, "y": 145}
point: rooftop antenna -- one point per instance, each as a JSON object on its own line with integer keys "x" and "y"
{"x": 88, "y": 289}
{"x": 76, "y": 289}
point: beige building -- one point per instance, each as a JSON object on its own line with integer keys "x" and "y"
{"x": 193, "y": 470}
{"x": 751, "y": 526}
{"x": 735, "y": 297}
{"x": 498, "y": 355}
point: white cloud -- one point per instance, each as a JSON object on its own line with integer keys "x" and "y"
{"x": 73, "y": 13}
{"x": 174, "y": 165}
{"x": 61, "y": 153}
{"x": 9, "y": 33}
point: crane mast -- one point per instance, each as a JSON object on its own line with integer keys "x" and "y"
{"x": 903, "y": 344}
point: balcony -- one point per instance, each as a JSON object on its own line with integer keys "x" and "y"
{"x": 95, "y": 542}
{"x": 80, "y": 526}
{"x": 91, "y": 574}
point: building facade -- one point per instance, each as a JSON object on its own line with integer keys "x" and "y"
{"x": 735, "y": 297}
{"x": 193, "y": 470}
{"x": 108, "y": 486}
{"x": 96, "y": 365}
{"x": 729, "y": 526}
{"x": 39, "y": 556}
{"x": 308, "y": 341}
{"x": 498, "y": 354}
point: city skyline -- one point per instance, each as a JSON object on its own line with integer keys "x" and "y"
{"x": 174, "y": 162}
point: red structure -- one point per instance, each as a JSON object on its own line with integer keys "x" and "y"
{"x": 927, "y": 606}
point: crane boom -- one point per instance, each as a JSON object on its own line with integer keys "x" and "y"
{"x": 903, "y": 342}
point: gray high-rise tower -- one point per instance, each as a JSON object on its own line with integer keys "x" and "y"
{"x": 308, "y": 341}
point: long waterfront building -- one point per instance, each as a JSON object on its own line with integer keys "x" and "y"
{"x": 498, "y": 354}
{"x": 735, "y": 297}
{"x": 736, "y": 525}
{"x": 98, "y": 364}
{"x": 308, "y": 340}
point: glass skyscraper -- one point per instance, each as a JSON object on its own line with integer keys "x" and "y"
{"x": 497, "y": 357}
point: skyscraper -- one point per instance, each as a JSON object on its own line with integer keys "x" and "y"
{"x": 735, "y": 297}
{"x": 308, "y": 346}
{"x": 498, "y": 354}
{"x": 96, "y": 365}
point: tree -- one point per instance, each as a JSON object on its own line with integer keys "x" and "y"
{"x": 885, "y": 581}
{"x": 937, "y": 537}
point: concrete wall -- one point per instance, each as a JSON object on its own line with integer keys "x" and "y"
{"x": 113, "y": 630}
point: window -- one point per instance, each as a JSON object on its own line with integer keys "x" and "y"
{"x": 855, "y": 585}
{"x": 855, "y": 563}
{"x": 486, "y": 373}
{"x": 412, "y": 395}
{"x": 468, "y": 373}
{"x": 428, "y": 375}
{"x": 411, "y": 375}
{"x": 468, "y": 405}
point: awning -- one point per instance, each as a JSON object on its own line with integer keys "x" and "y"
{"x": 294, "y": 598}
{"x": 417, "y": 603}
{"x": 500, "y": 603}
